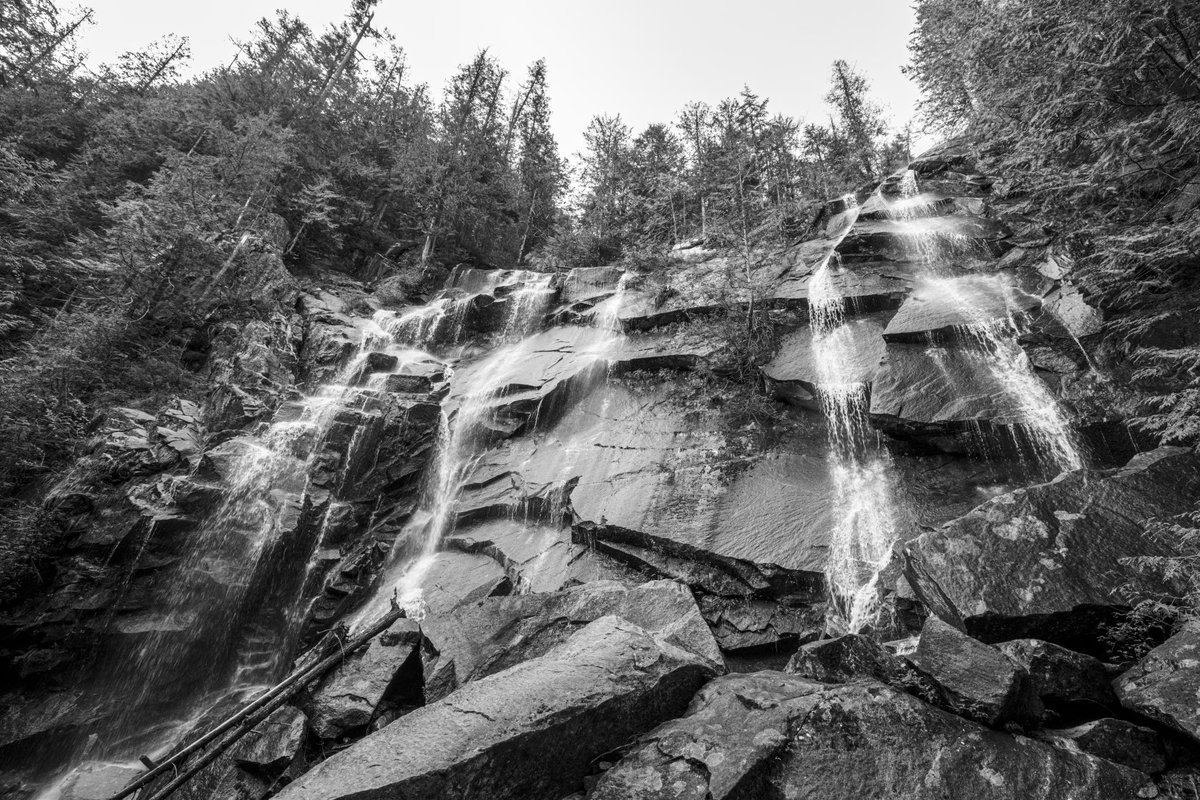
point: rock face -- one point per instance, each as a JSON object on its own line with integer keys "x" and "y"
{"x": 768, "y": 734}
{"x": 1164, "y": 684}
{"x": 980, "y": 682}
{"x": 529, "y": 732}
{"x": 1035, "y": 561}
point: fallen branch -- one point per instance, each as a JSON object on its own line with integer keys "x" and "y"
{"x": 256, "y": 711}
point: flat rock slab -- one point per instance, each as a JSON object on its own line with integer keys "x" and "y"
{"x": 538, "y": 558}
{"x": 1164, "y": 684}
{"x": 527, "y": 733}
{"x": 850, "y": 354}
{"x": 768, "y": 734}
{"x": 482, "y": 638}
{"x": 922, "y": 390}
{"x": 950, "y": 308}
{"x": 1020, "y": 564}
{"x": 655, "y": 457}
{"x": 865, "y": 286}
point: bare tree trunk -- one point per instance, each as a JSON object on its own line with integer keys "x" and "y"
{"x": 337, "y": 71}
{"x": 162, "y": 66}
{"x": 50, "y": 48}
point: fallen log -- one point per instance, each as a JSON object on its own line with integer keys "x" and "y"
{"x": 257, "y": 710}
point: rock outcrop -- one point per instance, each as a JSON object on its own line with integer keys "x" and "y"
{"x": 768, "y": 734}
{"x": 1048, "y": 561}
{"x": 529, "y": 732}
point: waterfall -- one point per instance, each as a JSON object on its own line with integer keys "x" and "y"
{"x": 984, "y": 308}
{"x": 214, "y": 637}
{"x": 992, "y": 337}
{"x": 864, "y": 511}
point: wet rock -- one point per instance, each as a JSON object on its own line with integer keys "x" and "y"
{"x": 741, "y": 623}
{"x": 350, "y": 697}
{"x": 538, "y": 558}
{"x": 795, "y": 374}
{"x": 1117, "y": 740}
{"x": 980, "y": 682}
{"x": 946, "y": 310}
{"x": 853, "y": 657}
{"x": 479, "y": 639}
{"x": 652, "y": 465}
{"x": 865, "y": 286}
{"x": 1047, "y": 561}
{"x": 529, "y": 732}
{"x": 1066, "y": 681}
{"x": 920, "y": 239}
{"x": 583, "y": 287}
{"x": 944, "y": 396}
{"x": 768, "y": 734}
{"x": 1164, "y": 684}
{"x": 274, "y": 744}
{"x": 98, "y": 781}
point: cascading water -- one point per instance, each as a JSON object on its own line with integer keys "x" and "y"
{"x": 865, "y": 526}
{"x": 212, "y": 640}
{"x": 991, "y": 332}
{"x": 463, "y": 437}
{"x": 987, "y": 321}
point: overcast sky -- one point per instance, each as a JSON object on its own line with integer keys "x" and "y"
{"x": 643, "y": 59}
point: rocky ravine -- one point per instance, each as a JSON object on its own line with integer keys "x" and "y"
{"x": 613, "y": 561}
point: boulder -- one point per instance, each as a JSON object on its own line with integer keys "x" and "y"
{"x": 479, "y": 639}
{"x": 1164, "y": 684}
{"x": 853, "y": 657}
{"x": 1049, "y": 561}
{"x": 1117, "y": 740}
{"x": 743, "y": 623}
{"x": 529, "y": 732}
{"x": 1066, "y": 681}
{"x": 350, "y": 698}
{"x": 274, "y": 744}
{"x": 767, "y": 734}
{"x": 980, "y": 682}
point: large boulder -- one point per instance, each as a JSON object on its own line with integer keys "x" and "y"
{"x": 767, "y": 734}
{"x": 1050, "y": 561}
{"x": 482, "y": 638}
{"x": 529, "y": 732}
{"x": 1066, "y": 681}
{"x": 980, "y": 682}
{"x": 853, "y": 657}
{"x": 1164, "y": 684}
{"x": 350, "y": 698}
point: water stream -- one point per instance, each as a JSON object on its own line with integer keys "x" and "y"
{"x": 984, "y": 311}
{"x": 864, "y": 506}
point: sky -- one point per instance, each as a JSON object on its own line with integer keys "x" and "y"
{"x": 642, "y": 59}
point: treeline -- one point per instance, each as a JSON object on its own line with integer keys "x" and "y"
{"x": 732, "y": 174}
{"x": 139, "y": 208}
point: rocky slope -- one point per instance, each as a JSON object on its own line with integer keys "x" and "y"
{"x": 624, "y": 575}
